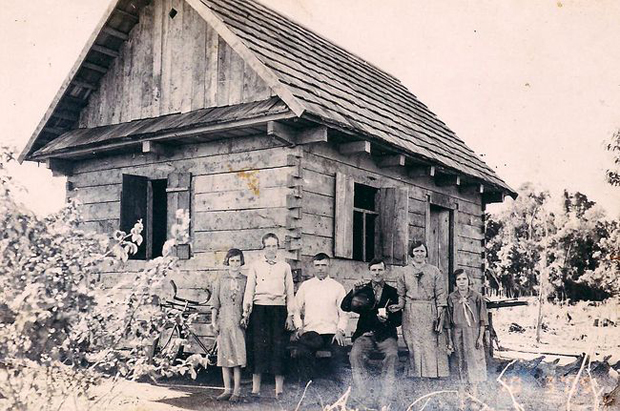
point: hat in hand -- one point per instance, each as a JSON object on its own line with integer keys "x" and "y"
{"x": 363, "y": 300}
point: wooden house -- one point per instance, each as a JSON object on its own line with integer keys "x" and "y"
{"x": 256, "y": 124}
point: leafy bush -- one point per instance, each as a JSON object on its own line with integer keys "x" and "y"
{"x": 61, "y": 329}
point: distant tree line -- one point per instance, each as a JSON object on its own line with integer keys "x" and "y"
{"x": 570, "y": 252}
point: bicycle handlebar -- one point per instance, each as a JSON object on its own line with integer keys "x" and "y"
{"x": 187, "y": 301}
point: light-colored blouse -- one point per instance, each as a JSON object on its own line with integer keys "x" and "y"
{"x": 425, "y": 283}
{"x": 270, "y": 283}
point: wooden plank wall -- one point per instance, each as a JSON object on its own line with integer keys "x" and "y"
{"x": 239, "y": 192}
{"x": 320, "y": 164}
{"x": 171, "y": 65}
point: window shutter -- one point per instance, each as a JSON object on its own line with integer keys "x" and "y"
{"x": 134, "y": 206}
{"x": 179, "y": 197}
{"x": 343, "y": 219}
{"x": 394, "y": 224}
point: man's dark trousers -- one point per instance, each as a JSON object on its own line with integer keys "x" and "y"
{"x": 308, "y": 344}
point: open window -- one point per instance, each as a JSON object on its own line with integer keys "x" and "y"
{"x": 155, "y": 202}
{"x": 365, "y": 212}
{"x": 370, "y": 222}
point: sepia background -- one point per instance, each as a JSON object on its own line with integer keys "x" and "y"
{"x": 531, "y": 86}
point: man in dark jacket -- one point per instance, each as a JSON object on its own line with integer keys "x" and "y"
{"x": 376, "y": 328}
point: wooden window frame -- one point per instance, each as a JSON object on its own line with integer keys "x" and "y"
{"x": 391, "y": 221}
{"x": 365, "y": 212}
{"x": 177, "y": 195}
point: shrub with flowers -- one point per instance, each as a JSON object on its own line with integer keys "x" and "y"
{"x": 61, "y": 330}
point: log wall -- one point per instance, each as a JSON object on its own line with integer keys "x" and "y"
{"x": 320, "y": 164}
{"x": 239, "y": 192}
{"x": 170, "y": 65}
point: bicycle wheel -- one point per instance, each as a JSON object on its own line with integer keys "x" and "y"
{"x": 166, "y": 346}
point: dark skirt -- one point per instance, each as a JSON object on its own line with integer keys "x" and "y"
{"x": 267, "y": 339}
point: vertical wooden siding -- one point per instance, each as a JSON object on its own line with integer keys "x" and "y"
{"x": 171, "y": 65}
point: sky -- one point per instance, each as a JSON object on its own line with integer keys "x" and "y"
{"x": 532, "y": 86}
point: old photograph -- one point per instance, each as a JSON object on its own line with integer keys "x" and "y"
{"x": 337, "y": 205}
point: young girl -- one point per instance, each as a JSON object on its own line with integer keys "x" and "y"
{"x": 227, "y": 321}
{"x": 467, "y": 313}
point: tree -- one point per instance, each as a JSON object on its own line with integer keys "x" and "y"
{"x": 514, "y": 242}
{"x": 613, "y": 174}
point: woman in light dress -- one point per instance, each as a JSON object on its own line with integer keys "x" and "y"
{"x": 228, "y": 322}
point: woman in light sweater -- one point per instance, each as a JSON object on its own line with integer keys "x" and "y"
{"x": 269, "y": 303}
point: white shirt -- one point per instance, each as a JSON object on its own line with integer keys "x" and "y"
{"x": 319, "y": 303}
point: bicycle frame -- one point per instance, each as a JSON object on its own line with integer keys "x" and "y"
{"x": 184, "y": 308}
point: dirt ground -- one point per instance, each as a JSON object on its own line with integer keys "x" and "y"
{"x": 181, "y": 394}
{"x": 537, "y": 382}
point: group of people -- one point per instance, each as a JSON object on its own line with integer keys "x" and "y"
{"x": 256, "y": 317}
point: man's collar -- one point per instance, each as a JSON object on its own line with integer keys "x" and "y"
{"x": 375, "y": 284}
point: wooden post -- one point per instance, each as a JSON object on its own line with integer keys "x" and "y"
{"x": 541, "y": 282}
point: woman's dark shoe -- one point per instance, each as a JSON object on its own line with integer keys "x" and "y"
{"x": 234, "y": 398}
{"x": 225, "y": 396}
{"x": 255, "y": 395}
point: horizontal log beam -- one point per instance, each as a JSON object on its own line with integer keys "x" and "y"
{"x": 115, "y": 33}
{"x": 293, "y": 136}
{"x": 127, "y": 15}
{"x": 84, "y": 84}
{"x": 397, "y": 160}
{"x": 104, "y": 50}
{"x": 312, "y": 135}
{"x": 282, "y": 132}
{"x": 95, "y": 67}
{"x": 355, "y": 147}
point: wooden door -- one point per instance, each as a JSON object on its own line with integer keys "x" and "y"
{"x": 440, "y": 240}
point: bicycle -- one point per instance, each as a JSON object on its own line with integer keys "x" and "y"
{"x": 179, "y": 309}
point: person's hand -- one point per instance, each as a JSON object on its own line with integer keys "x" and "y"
{"x": 359, "y": 284}
{"x": 450, "y": 348}
{"x": 479, "y": 343}
{"x": 247, "y": 309}
{"x": 296, "y": 334}
{"x": 290, "y": 325}
{"x": 338, "y": 338}
{"x": 382, "y": 318}
{"x": 243, "y": 323}
{"x": 394, "y": 307}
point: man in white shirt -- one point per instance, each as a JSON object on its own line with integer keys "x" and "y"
{"x": 320, "y": 322}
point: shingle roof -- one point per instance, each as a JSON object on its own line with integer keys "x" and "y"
{"x": 137, "y": 130}
{"x": 345, "y": 90}
{"x": 314, "y": 77}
